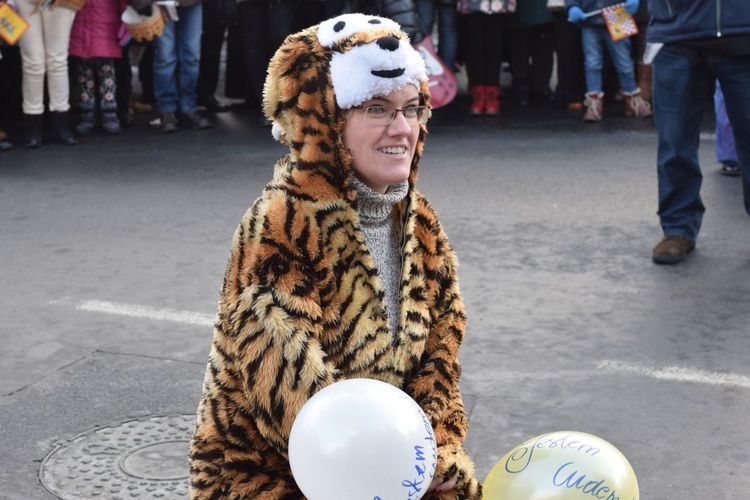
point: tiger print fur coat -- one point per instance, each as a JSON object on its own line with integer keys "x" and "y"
{"x": 301, "y": 306}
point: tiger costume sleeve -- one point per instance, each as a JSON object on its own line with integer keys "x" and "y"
{"x": 264, "y": 362}
{"x": 435, "y": 384}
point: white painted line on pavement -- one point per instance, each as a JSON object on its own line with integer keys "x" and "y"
{"x": 678, "y": 374}
{"x": 147, "y": 312}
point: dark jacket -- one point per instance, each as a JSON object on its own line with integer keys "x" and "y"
{"x": 678, "y": 20}
{"x": 530, "y": 13}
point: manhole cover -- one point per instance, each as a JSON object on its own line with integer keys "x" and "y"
{"x": 143, "y": 458}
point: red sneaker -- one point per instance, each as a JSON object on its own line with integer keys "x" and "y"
{"x": 492, "y": 105}
{"x": 479, "y": 99}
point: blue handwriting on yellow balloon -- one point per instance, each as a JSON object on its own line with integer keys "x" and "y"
{"x": 577, "y": 480}
{"x": 520, "y": 459}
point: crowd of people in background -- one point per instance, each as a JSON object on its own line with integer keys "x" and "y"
{"x": 88, "y": 61}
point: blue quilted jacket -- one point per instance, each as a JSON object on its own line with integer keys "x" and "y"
{"x": 679, "y": 20}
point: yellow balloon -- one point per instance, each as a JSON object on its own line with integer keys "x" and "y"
{"x": 563, "y": 465}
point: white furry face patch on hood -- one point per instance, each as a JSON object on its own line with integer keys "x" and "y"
{"x": 372, "y": 69}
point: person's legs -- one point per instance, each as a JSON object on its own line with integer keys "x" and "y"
{"x": 57, "y": 24}
{"x": 210, "y": 52}
{"x": 726, "y": 151}
{"x": 124, "y": 76}
{"x": 679, "y": 88}
{"x": 493, "y": 48}
{"x": 476, "y": 62}
{"x": 447, "y": 33}
{"x": 494, "y": 53}
{"x": 592, "y": 40}
{"x": 593, "y": 57}
{"x": 542, "y": 50}
{"x": 165, "y": 67}
{"x": 254, "y": 25}
{"x": 105, "y": 69}
{"x": 188, "y": 51}
{"x": 33, "y": 59}
{"x": 280, "y": 23}
{"x": 635, "y": 105}
{"x": 570, "y": 73}
{"x": 86, "y": 96}
{"x": 520, "y": 65}
{"x": 425, "y": 10}
{"x": 620, "y": 52}
{"x": 734, "y": 75}
{"x": 146, "y": 73}
{"x": 476, "y": 58}
{"x": 11, "y": 95}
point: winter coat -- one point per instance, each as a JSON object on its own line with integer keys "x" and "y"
{"x": 679, "y": 20}
{"x": 530, "y": 13}
{"x": 94, "y": 32}
{"x": 302, "y": 307}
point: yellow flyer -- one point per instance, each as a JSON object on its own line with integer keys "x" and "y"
{"x": 12, "y": 25}
{"x": 619, "y": 23}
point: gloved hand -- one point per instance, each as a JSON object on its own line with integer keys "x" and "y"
{"x": 576, "y": 15}
{"x": 631, "y": 6}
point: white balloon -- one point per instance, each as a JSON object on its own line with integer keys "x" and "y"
{"x": 362, "y": 439}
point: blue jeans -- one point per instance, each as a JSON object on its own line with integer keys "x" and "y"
{"x": 724, "y": 143}
{"x": 176, "y": 61}
{"x": 447, "y": 31}
{"x": 681, "y": 77}
{"x": 594, "y": 39}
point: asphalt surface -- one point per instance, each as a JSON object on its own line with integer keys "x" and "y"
{"x": 112, "y": 253}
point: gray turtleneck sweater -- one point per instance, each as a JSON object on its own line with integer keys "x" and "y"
{"x": 383, "y": 237}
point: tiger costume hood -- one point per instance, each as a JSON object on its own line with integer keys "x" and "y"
{"x": 324, "y": 70}
{"x": 302, "y": 306}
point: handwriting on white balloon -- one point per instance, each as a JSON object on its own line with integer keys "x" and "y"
{"x": 425, "y": 461}
{"x": 520, "y": 459}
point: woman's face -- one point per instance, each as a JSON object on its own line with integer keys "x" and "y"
{"x": 382, "y": 154}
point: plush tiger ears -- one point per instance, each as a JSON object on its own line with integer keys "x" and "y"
{"x": 372, "y": 57}
{"x": 338, "y": 29}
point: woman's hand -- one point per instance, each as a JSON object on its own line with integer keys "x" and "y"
{"x": 440, "y": 485}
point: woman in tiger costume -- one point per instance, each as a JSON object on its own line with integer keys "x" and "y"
{"x": 339, "y": 270}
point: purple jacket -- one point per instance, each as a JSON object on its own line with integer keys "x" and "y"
{"x": 94, "y": 32}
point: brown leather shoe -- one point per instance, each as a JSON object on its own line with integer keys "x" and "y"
{"x": 672, "y": 249}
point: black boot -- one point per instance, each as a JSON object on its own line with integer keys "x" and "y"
{"x": 88, "y": 120}
{"x": 33, "y": 125}
{"x": 60, "y": 121}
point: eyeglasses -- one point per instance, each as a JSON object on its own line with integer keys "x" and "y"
{"x": 384, "y": 115}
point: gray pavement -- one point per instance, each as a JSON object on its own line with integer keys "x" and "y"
{"x": 112, "y": 254}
